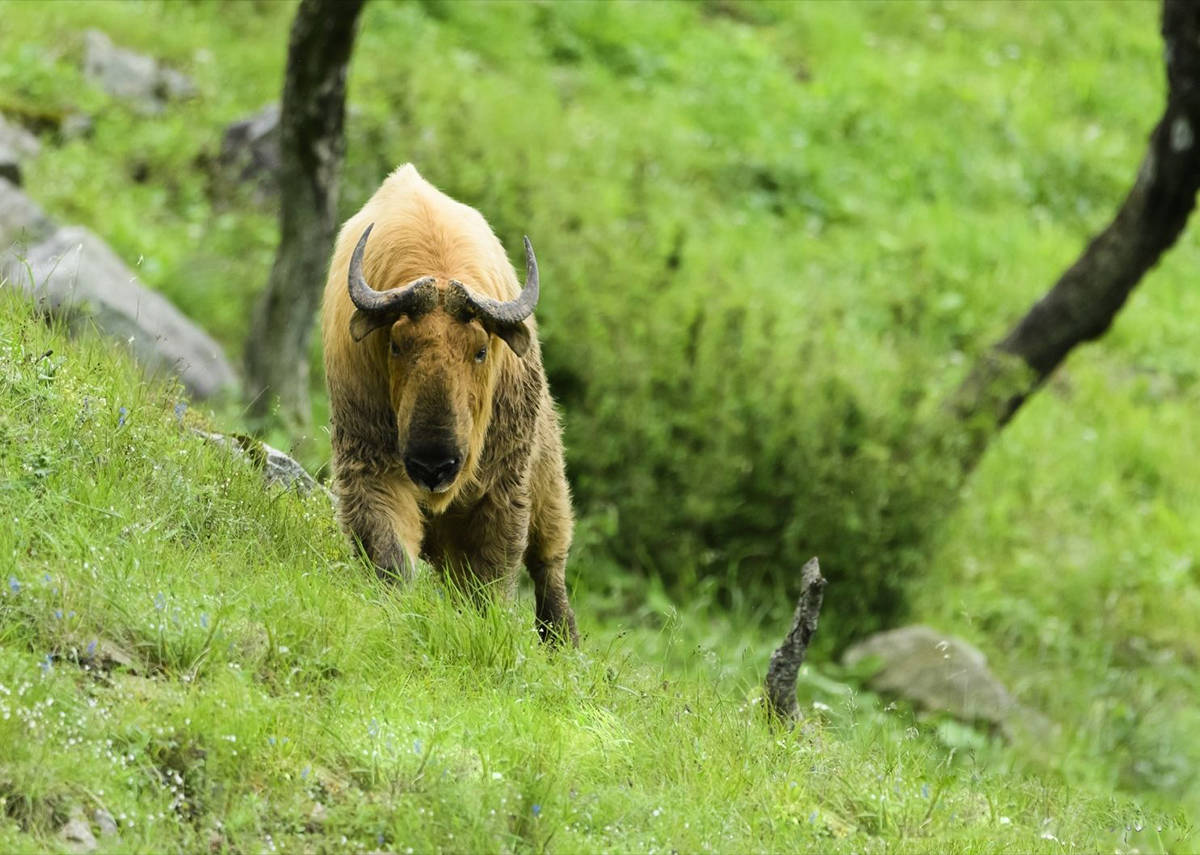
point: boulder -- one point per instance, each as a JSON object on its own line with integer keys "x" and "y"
{"x": 250, "y": 154}
{"x": 278, "y": 469}
{"x": 132, "y": 76}
{"x": 77, "y": 276}
{"x": 938, "y": 673}
{"x": 22, "y": 222}
{"x": 17, "y": 145}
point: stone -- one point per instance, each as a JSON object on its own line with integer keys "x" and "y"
{"x": 76, "y": 834}
{"x": 938, "y": 673}
{"x": 250, "y": 154}
{"x": 278, "y": 469}
{"x": 105, "y": 822}
{"x": 17, "y": 145}
{"x": 75, "y": 275}
{"x": 22, "y": 222}
{"x": 132, "y": 76}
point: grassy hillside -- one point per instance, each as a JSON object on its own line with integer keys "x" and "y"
{"x": 771, "y": 236}
{"x": 204, "y": 660}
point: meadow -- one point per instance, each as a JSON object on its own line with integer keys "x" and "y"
{"x": 772, "y": 237}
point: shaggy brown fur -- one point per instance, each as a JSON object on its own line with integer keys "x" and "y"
{"x": 509, "y": 503}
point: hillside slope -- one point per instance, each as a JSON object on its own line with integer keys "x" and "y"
{"x": 202, "y": 661}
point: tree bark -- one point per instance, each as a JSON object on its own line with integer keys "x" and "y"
{"x": 312, "y": 143}
{"x": 780, "y": 683}
{"x": 1082, "y": 304}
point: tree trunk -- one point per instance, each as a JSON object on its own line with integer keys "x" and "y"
{"x": 311, "y": 146}
{"x": 1082, "y": 304}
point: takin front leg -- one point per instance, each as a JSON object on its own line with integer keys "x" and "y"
{"x": 383, "y": 516}
{"x": 546, "y": 560}
{"x": 480, "y": 550}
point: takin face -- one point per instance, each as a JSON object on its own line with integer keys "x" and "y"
{"x": 441, "y": 366}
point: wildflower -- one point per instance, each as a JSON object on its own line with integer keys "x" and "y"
{"x": 91, "y": 648}
{"x": 204, "y": 620}
{"x": 46, "y": 664}
{"x": 58, "y": 614}
{"x": 121, "y": 414}
{"x": 416, "y": 746}
{"x": 160, "y": 601}
{"x": 304, "y": 773}
{"x": 14, "y": 585}
{"x": 180, "y": 409}
{"x": 537, "y": 810}
{"x": 924, "y": 791}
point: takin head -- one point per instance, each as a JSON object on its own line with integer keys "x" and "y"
{"x": 441, "y": 368}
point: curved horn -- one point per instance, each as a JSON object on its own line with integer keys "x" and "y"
{"x": 510, "y": 312}
{"x": 416, "y": 296}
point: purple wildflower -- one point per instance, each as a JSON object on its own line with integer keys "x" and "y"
{"x": 121, "y": 414}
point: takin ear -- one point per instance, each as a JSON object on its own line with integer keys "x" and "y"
{"x": 362, "y": 324}
{"x": 516, "y": 336}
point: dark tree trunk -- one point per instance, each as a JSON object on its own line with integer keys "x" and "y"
{"x": 311, "y": 147}
{"x": 1082, "y": 304}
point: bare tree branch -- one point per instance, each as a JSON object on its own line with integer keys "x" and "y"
{"x": 780, "y": 685}
{"x": 1082, "y": 304}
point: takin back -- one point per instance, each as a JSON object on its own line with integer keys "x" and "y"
{"x": 446, "y": 443}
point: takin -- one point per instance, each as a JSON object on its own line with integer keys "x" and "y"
{"x": 446, "y": 443}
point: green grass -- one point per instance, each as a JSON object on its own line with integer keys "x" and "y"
{"x": 771, "y": 237}
{"x": 269, "y": 672}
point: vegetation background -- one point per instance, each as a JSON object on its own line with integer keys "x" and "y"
{"x": 771, "y": 238}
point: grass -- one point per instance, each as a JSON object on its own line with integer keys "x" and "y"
{"x": 205, "y": 660}
{"x": 865, "y": 194}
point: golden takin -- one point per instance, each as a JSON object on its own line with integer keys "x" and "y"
{"x": 446, "y": 443}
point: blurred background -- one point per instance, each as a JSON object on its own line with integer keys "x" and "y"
{"x": 772, "y": 239}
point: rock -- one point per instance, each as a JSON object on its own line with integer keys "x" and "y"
{"x": 939, "y": 673}
{"x": 77, "y": 276}
{"x": 22, "y": 222}
{"x": 105, "y": 822}
{"x": 105, "y": 655}
{"x": 132, "y": 76}
{"x": 16, "y": 146}
{"x": 77, "y": 833}
{"x": 250, "y": 154}
{"x": 76, "y": 125}
{"x": 277, "y": 467}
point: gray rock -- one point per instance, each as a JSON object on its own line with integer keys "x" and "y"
{"x": 132, "y": 76}
{"x": 22, "y": 222}
{"x": 77, "y": 276}
{"x": 250, "y": 154}
{"x": 17, "y": 145}
{"x": 77, "y": 834}
{"x": 105, "y": 822}
{"x": 76, "y": 125}
{"x": 277, "y": 467}
{"x": 939, "y": 673}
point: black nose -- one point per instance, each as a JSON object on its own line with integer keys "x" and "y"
{"x": 432, "y": 468}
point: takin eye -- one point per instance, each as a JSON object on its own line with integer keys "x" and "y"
{"x": 393, "y": 348}
{"x": 482, "y": 354}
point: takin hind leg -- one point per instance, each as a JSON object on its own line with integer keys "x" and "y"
{"x": 383, "y": 516}
{"x": 546, "y": 560}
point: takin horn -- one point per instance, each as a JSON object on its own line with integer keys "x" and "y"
{"x": 380, "y": 308}
{"x": 502, "y": 317}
